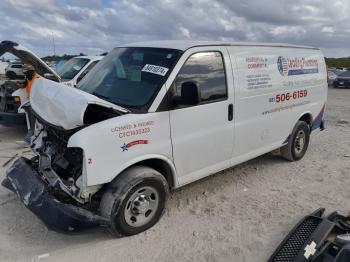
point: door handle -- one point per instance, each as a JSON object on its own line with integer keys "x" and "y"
{"x": 230, "y": 112}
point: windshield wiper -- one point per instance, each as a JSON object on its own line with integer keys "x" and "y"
{"x": 100, "y": 96}
{"x": 107, "y": 99}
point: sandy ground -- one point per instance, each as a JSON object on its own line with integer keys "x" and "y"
{"x": 240, "y": 214}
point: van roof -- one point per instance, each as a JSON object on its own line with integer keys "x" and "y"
{"x": 186, "y": 44}
{"x": 96, "y": 57}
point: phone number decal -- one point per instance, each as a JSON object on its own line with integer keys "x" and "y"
{"x": 288, "y": 96}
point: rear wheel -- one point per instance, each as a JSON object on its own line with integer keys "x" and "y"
{"x": 135, "y": 200}
{"x": 298, "y": 142}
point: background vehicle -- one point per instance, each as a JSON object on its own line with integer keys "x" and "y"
{"x": 14, "y": 70}
{"x": 342, "y": 80}
{"x": 331, "y": 77}
{"x": 76, "y": 68}
{"x": 158, "y": 115}
{"x": 11, "y": 98}
{"x": 341, "y": 68}
{"x": 3, "y": 65}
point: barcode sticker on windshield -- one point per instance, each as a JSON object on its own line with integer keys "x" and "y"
{"x": 159, "y": 70}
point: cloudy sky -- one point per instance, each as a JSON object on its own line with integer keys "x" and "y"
{"x": 94, "y": 26}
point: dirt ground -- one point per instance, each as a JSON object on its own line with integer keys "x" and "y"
{"x": 240, "y": 214}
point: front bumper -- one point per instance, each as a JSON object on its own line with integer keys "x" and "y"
{"x": 337, "y": 84}
{"x": 12, "y": 119}
{"x": 25, "y": 181}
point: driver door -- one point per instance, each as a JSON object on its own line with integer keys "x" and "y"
{"x": 202, "y": 134}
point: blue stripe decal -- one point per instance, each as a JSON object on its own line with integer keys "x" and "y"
{"x": 318, "y": 120}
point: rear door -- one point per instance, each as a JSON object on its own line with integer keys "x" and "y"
{"x": 202, "y": 134}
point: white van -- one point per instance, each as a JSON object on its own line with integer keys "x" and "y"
{"x": 156, "y": 116}
{"x": 76, "y": 68}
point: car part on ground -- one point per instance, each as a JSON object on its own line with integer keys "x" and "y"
{"x": 316, "y": 238}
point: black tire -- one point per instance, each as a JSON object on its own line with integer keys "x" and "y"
{"x": 298, "y": 142}
{"x": 115, "y": 202}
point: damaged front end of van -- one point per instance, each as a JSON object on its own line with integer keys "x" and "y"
{"x": 52, "y": 184}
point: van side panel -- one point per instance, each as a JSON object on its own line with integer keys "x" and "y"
{"x": 275, "y": 86}
{"x": 121, "y": 142}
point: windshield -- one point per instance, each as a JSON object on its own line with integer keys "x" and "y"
{"x": 130, "y": 77}
{"x": 71, "y": 68}
{"x": 345, "y": 74}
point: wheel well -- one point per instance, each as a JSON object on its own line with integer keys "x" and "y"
{"x": 307, "y": 118}
{"x": 162, "y": 167}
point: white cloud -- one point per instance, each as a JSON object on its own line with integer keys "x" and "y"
{"x": 83, "y": 26}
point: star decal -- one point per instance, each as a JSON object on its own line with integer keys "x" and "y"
{"x": 124, "y": 147}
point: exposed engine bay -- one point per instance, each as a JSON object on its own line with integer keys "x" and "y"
{"x": 60, "y": 166}
{"x": 51, "y": 184}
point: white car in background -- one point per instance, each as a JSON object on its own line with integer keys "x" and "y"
{"x": 14, "y": 70}
{"x": 76, "y": 68}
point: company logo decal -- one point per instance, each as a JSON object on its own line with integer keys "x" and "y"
{"x": 297, "y": 66}
{"x": 125, "y": 146}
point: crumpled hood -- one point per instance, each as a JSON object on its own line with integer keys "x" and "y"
{"x": 61, "y": 105}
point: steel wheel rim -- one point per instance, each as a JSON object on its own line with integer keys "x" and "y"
{"x": 299, "y": 142}
{"x": 141, "y": 206}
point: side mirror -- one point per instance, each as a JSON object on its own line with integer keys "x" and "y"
{"x": 189, "y": 95}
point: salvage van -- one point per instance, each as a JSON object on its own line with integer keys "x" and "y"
{"x": 155, "y": 116}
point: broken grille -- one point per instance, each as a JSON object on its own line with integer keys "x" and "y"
{"x": 291, "y": 247}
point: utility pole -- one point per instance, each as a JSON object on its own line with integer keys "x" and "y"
{"x": 53, "y": 42}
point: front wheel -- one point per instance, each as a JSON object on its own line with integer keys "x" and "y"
{"x": 298, "y": 142}
{"x": 134, "y": 201}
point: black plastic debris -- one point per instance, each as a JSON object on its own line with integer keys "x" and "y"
{"x": 316, "y": 238}
{"x": 22, "y": 179}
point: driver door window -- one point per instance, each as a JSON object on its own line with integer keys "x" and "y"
{"x": 206, "y": 70}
